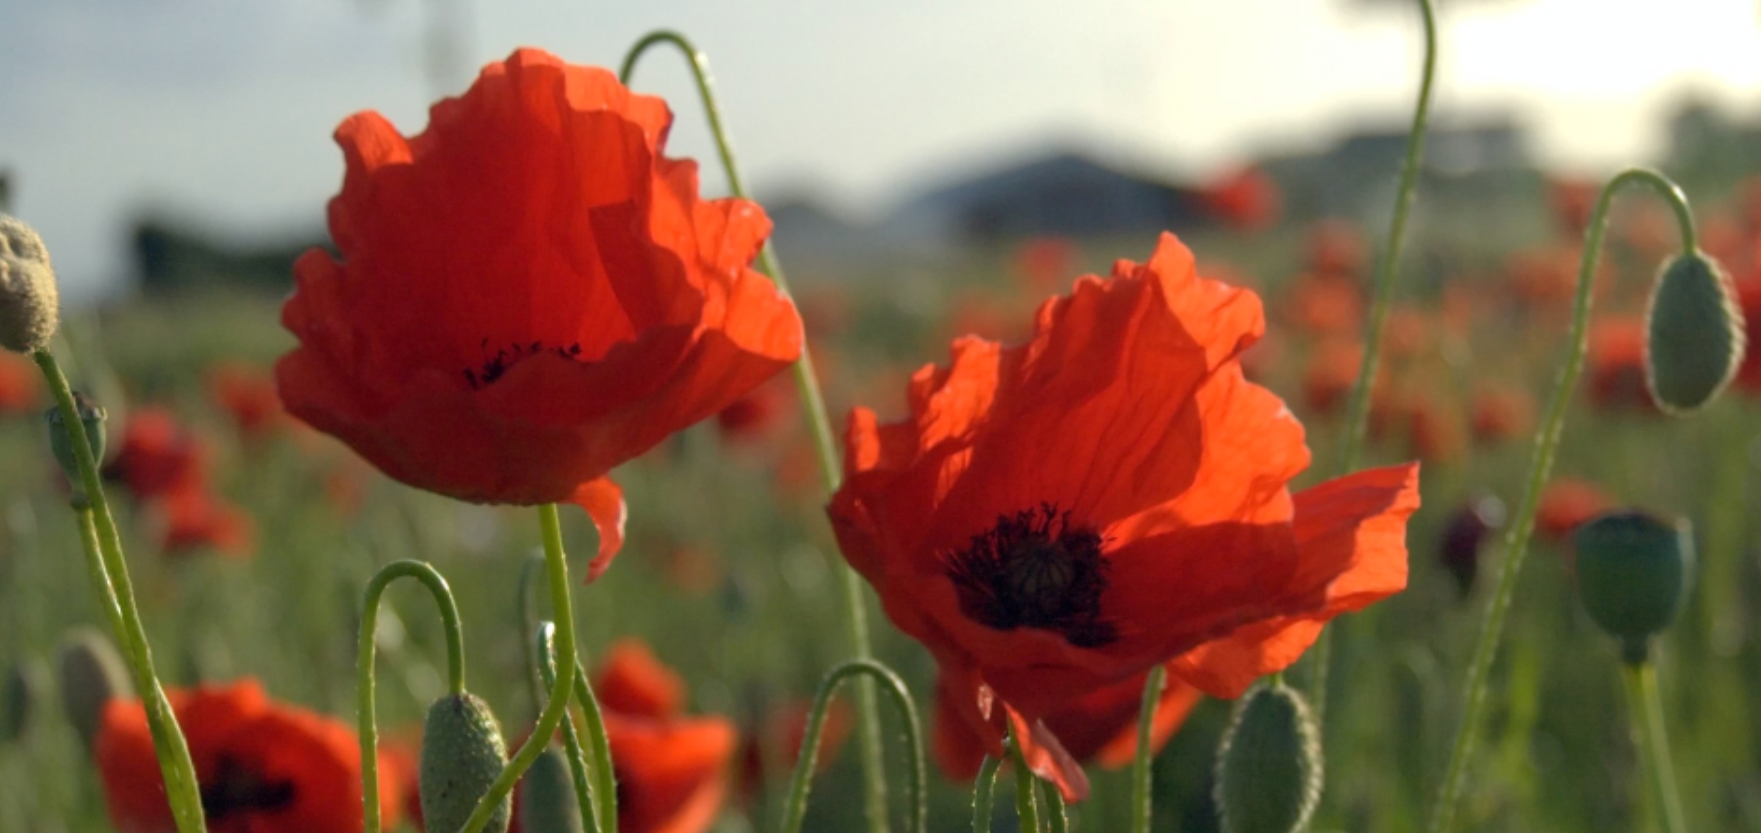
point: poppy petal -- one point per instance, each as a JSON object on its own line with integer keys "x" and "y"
{"x": 604, "y": 502}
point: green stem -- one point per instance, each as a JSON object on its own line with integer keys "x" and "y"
{"x": 1055, "y": 812}
{"x": 557, "y": 573}
{"x": 1645, "y": 709}
{"x": 1140, "y": 762}
{"x": 984, "y": 793}
{"x": 366, "y": 683}
{"x": 808, "y": 759}
{"x": 1026, "y": 806}
{"x": 1516, "y": 537}
{"x": 813, "y": 401}
{"x": 1357, "y": 412}
{"x": 605, "y": 779}
{"x": 169, "y": 745}
{"x": 536, "y": 684}
{"x": 584, "y": 797}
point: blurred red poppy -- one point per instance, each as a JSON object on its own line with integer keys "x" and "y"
{"x": 1325, "y": 304}
{"x": 1565, "y": 503}
{"x": 631, "y": 681}
{"x": 1245, "y": 199}
{"x": 1043, "y": 262}
{"x": 158, "y": 455}
{"x": 1748, "y": 291}
{"x": 262, "y": 767}
{"x": 1571, "y": 200}
{"x": 1057, "y": 517}
{"x": 529, "y": 293}
{"x": 196, "y": 519}
{"x": 247, "y": 394}
{"x": 1502, "y": 413}
{"x": 1335, "y": 247}
{"x": 21, "y": 385}
{"x": 1615, "y": 365}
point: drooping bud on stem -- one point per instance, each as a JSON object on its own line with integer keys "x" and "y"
{"x": 462, "y": 753}
{"x": 1632, "y": 570}
{"x": 92, "y": 674}
{"x": 29, "y": 304}
{"x": 547, "y": 798}
{"x": 1694, "y": 336}
{"x": 92, "y": 416}
{"x": 1269, "y": 763}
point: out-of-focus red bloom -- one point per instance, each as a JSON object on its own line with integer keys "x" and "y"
{"x": 1502, "y": 413}
{"x": 1408, "y": 333}
{"x": 1615, "y": 365}
{"x": 158, "y": 455}
{"x": 762, "y": 408}
{"x": 632, "y": 682}
{"x": 1433, "y": 432}
{"x": 1245, "y": 199}
{"x": 247, "y": 394}
{"x": 1545, "y": 277}
{"x": 1571, "y": 200}
{"x": 1748, "y": 292}
{"x": 262, "y": 767}
{"x": 1324, "y": 304}
{"x": 1332, "y": 370}
{"x": 21, "y": 385}
{"x": 1043, "y": 262}
{"x": 1058, "y": 517}
{"x": 1565, "y": 503}
{"x": 1336, "y": 247}
{"x": 1100, "y": 726}
{"x": 529, "y": 293}
{"x": 196, "y": 519}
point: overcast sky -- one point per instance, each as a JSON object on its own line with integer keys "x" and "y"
{"x": 221, "y": 110}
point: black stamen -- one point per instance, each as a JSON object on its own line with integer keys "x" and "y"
{"x": 1034, "y": 570}
{"x": 237, "y": 789}
{"x": 495, "y": 366}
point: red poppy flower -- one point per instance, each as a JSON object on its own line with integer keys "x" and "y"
{"x": 1748, "y": 293}
{"x": 1571, "y": 200}
{"x": 1566, "y": 503}
{"x": 1042, "y": 262}
{"x": 1057, "y": 517}
{"x": 1335, "y": 247}
{"x": 1100, "y": 726}
{"x": 1246, "y": 200}
{"x": 529, "y": 293}
{"x": 1502, "y": 413}
{"x": 261, "y": 767}
{"x": 196, "y": 519}
{"x": 1615, "y": 365}
{"x": 1325, "y": 304}
{"x": 21, "y": 384}
{"x": 247, "y": 394}
{"x": 158, "y": 456}
{"x": 631, "y": 681}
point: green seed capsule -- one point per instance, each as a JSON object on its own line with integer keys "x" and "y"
{"x": 547, "y": 798}
{"x": 91, "y": 415}
{"x": 92, "y": 674}
{"x": 1632, "y": 570}
{"x": 1694, "y": 336}
{"x": 462, "y": 753}
{"x": 1269, "y": 764}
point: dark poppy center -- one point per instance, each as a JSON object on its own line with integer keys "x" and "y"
{"x": 1035, "y": 570}
{"x": 496, "y": 365}
{"x": 237, "y": 789}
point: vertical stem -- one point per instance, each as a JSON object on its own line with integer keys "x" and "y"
{"x": 557, "y": 573}
{"x": 605, "y": 778}
{"x": 1056, "y": 816}
{"x": 584, "y": 795}
{"x": 1026, "y": 806}
{"x": 1645, "y": 710}
{"x": 1387, "y": 272}
{"x": 1516, "y": 538}
{"x": 366, "y": 684}
{"x": 169, "y": 745}
{"x": 813, "y": 401}
{"x": 1140, "y": 762}
{"x": 984, "y": 790}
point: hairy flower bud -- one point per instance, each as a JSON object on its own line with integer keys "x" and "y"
{"x": 92, "y": 674}
{"x": 462, "y": 753}
{"x": 1269, "y": 764}
{"x": 1694, "y": 337}
{"x": 1632, "y": 570}
{"x": 29, "y": 305}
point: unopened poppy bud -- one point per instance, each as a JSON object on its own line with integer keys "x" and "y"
{"x": 1269, "y": 764}
{"x": 547, "y": 800}
{"x": 29, "y": 305}
{"x": 1632, "y": 570}
{"x": 20, "y": 697}
{"x": 91, "y": 415}
{"x": 1694, "y": 335}
{"x": 462, "y": 753}
{"x": 92, "y": 674}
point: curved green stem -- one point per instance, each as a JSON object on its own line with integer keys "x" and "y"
{"x": 605, "y": 779}
{"x": 1056, "y": 817}
{"x": 1357, "y": 412}
{"x": 808, "y": 759}
{"x": 536, "y": 684}
{"x": 557, "y": 573}
{"x": 1026, "y": 806}
{"x": 584, "y": 797}
{"x": 118, "y": 599}
{"x": 1645, "y": 709}
{"x": 366, "y": 684}
{"x": 813, "y": 401}
{"x": 1516, "y": 537}
{"x": 984, "y": 792}
{"x": 1140, "y": 762}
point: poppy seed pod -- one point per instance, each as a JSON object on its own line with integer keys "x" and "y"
{"x": 547, "y": 797}
{"x": 1632, "y": 570}
{"x": 92, "y": 416}
{"x": 20, "y": 697}
{"x": 29, "y": 304}
{"x": 1694, "y": 334}
{"x": 1269, "y": 764}
{"x": 462, "y": 753}
{"x": 92, "y": 674}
